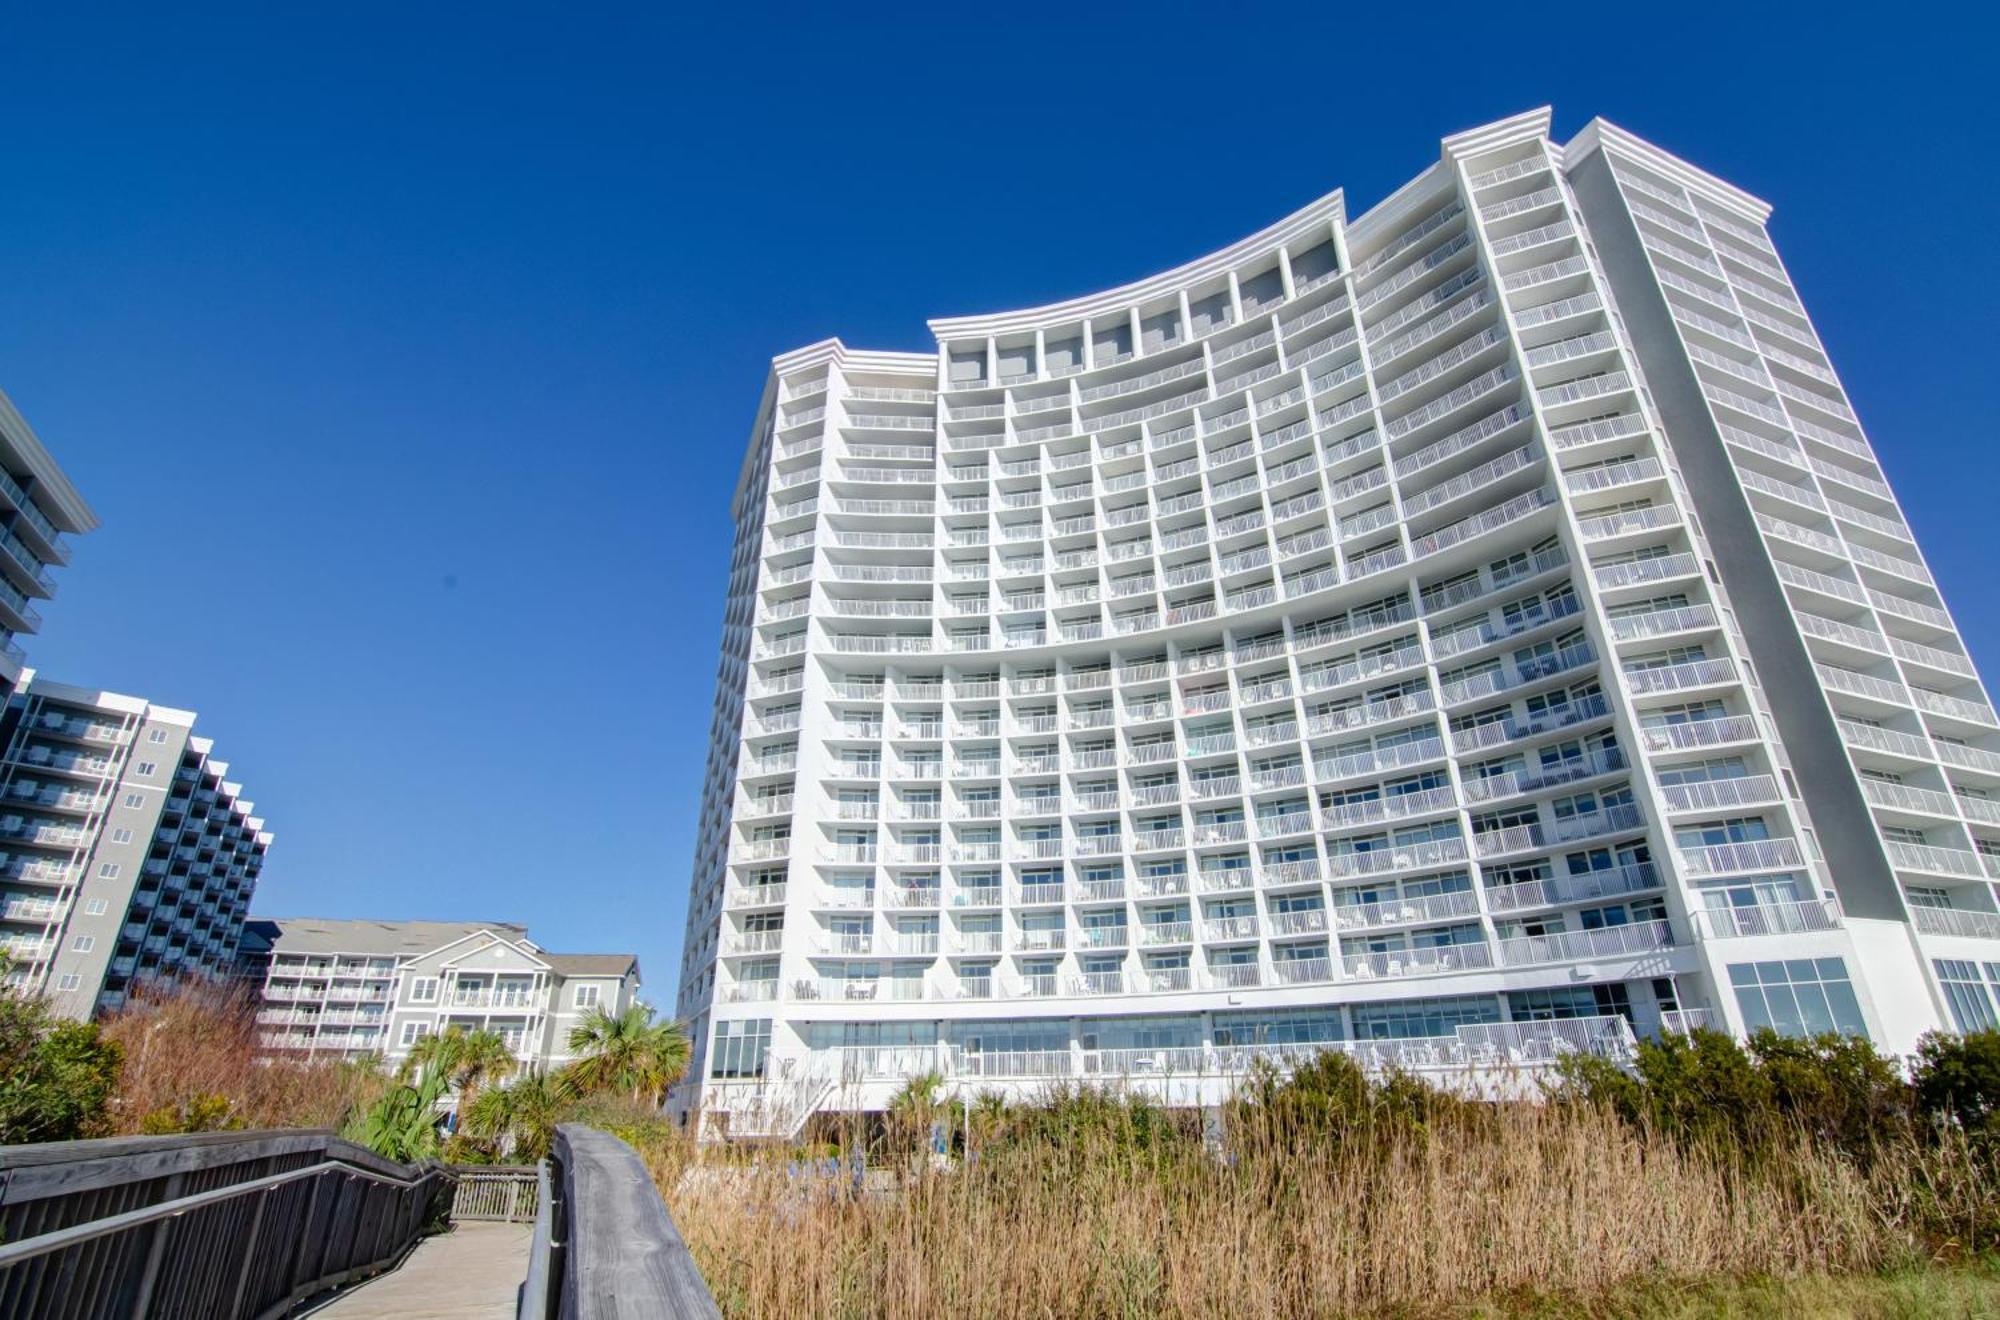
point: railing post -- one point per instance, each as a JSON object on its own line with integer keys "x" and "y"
{"x": 249, "y": 1253}
{"x": 156, "y": 1246}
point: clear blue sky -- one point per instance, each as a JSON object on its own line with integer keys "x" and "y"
{"x": 408, "y": 352}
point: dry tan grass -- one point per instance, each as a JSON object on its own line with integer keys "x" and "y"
{"x": 193, "y": 1050}
{"x": 1523, "y": 1200}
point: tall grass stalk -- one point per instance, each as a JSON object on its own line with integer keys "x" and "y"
{"x": 1122, "y": 1215}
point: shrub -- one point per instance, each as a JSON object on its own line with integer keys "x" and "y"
{"x": 1957, "y": 1080}
{"x": 1087, "y": 1118}
{"x": 1837, "y": 1089}
{"x": 1704, "y": 1085}
{"x": 56, "y": 1077}
{"x": 206, "y": 1112}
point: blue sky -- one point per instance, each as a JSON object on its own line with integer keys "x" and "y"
{"x": 408, "y": 352}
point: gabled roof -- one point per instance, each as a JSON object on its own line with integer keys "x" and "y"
{"x": 592, "y": 964}
{"x": 405, "y": 939}
{"x": 513, "y": 939}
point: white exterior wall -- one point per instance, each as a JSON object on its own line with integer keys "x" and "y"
{"x": 1347, "y": 655}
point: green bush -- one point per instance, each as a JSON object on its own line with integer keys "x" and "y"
{"x": 1957, "y": 1080}
{"x": 1084, "y": 1117}
{"x": 203, "y": 1112}
{"x": 56, "y": 1077}
{"x": 1837, "y": 1089}
{"x": 1705, "y": 1085}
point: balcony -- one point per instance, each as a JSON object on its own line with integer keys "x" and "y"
{"x": 1405, "y": 911}
{"x": 1514, "y": 783}
{"x": 1637, "y": 939}
{"x": 1720, "y": 794}
{"x": 1958, "y": 862}
{"x": 1735, "y": 858}
{"x": 1960, "y": 923}
{"x": 1436, "y": 960}
{"x": 1378, "y": 861}
{"x": 1582, "y": 888}
{"x": 1696, "y": 734}
{"x": 1725, "y": 923}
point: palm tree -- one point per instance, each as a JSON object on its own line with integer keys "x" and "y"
{"x": 988, "y": 1114}
{"x": 520, "y": 1118}
{"x": 467, "y": 1060}
{"x": 628, "y": 1051}
{"x": 916, "y": 1109}
{"x": 402, "y": 1123}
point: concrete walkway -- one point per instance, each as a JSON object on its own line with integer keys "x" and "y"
{"x": 472, "y": 1271}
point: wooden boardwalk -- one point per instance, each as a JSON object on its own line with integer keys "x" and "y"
{"x": 472, "y": 1271}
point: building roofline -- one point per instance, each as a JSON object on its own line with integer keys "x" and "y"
{"x": 830, "y": 352}
{"x": 66, "y": 507}
{"x": 1331, "y": 207}
{"x": 1524, "y": 127}
{"x": 34, "y": 683}
{"x": 520, "y": 943}
{"x": 1601, "y": 134}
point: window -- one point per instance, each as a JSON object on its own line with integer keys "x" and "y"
{"x": 414, "y": 1032}
{"x": 1570, "y": 1001}
{"x": 84, "y": 944}
{"x": 586, "y": 996}
{"x": 157, "y": 736}
{"x": 96, "y": 907}
{"x": 121, "y": 836}
{"x": 146, "y": 769}
{"x": 740, "y": 1048}
{"x": 108, "y": 871}
{"x": 134, "y": 800}
{"x": 1797, "y": 997}
{"x": 1422, "y": 1017}
{"x": 1971, "y": 1008}
{"x": 424, "y": 990}
{"x": 69, "y": 981}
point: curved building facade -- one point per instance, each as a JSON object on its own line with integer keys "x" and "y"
{"x": 1463, "y": 633}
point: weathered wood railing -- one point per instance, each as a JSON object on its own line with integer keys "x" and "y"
{"x": 604, "y": 1246}
{"x": 506, "y": 1193}
{"x": 228, "y": 1226}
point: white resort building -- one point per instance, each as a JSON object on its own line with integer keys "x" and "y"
{"x": 1465, "y": 632}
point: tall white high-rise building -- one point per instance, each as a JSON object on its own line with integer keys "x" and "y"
{"x": 1459, "y": 634}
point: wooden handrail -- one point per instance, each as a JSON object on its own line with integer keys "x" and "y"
{"x": 235, "y": 1225}
{"x": 604, "y": 1245}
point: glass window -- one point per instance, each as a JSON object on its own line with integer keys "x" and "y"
{"x": 1797, "y": 997}
{"x": 740, "y": 1048}
{"x": 1971, "y": 1007}
{"x": 1304, "y": 1026}
{"x": 1422, "y": 1017}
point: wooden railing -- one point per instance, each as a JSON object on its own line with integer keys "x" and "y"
{"x": 222, "y": 1225}
{"x": 506, "y": 1193}
{"x": 604, "y": 1245}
